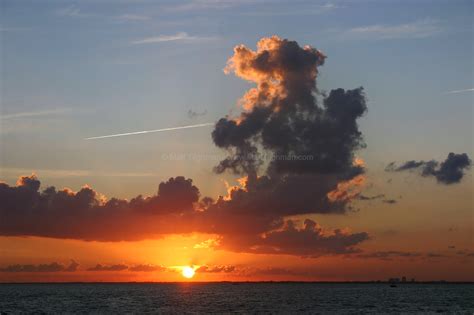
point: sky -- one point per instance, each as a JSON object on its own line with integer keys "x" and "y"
{"x": 381, "y": 197}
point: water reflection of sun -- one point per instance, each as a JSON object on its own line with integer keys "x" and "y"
{"x": 188, "y": 272}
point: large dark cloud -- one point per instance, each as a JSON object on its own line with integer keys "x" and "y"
{"x": 84, "y": 215}
{"x": 450, "y": 171}
{"x": 283, "y": 117}
{"x": 294, "y": 146}
{"x": 307, "y": 241}
{"x": 296, "y": 151}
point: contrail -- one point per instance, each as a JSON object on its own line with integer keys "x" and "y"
{"x": 149, "y": 131}
{"x": 459, "y": 91}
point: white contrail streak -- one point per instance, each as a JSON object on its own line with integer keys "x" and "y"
{"x": 149, "y": 131}
{"x": 459, "y": 91}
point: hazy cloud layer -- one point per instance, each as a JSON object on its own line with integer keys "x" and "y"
{"x": 52, "y": 267}
{"x": 75, "y": 12}
{"x": 397, "y": 255}
{"x": 73, "y": 266}
{"x": 414, "y": 30}
{"x": 147, "y": 268}
{"x": 216, "y": 269}
{"x": 99, "y": 267}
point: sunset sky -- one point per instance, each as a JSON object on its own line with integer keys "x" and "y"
{"x": 368, "y": 104}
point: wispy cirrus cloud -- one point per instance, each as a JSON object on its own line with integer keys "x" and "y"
{"x": 72, "y": 11}
{"x": 64, "y": 173}
{"x": 29, "y": 114}
{"x": 418, "y": 29}
{"x": 132, "y": 17}
{"x": 257, "y": 7}
{"x": 208, "y": 4}
{"x": 12, "y": 29}
{"x": 459, "y": 91}
{"x": 181, "y": 36}
{"x": 313, "y": 9}
{"x": 35, "y": 120}
{"x": 117, "y": 267}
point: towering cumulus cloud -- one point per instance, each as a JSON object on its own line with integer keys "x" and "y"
{"x": 307, "y": 149}
{"x": 293, "y": 146}
{"x": 297, "y": 155}
{"x": 282, "y": 115}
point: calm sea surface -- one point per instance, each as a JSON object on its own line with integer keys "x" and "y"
{"x": 236, "y": 298}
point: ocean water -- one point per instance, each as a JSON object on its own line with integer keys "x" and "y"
{"x": 195, "y": 298}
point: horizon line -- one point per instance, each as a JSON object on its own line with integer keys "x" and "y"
{"x": 244, "y": 282}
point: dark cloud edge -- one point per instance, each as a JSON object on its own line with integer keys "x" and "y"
{"x": 450, "y": 171}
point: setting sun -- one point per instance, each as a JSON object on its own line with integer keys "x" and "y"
{"x": 188, "y": 272}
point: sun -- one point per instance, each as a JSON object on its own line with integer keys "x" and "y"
{"x": 188, "y": 272}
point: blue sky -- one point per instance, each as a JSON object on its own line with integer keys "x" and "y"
{"x": 76, "y": 69}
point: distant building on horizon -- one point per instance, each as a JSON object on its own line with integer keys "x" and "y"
{"x": 403, "y": 279}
